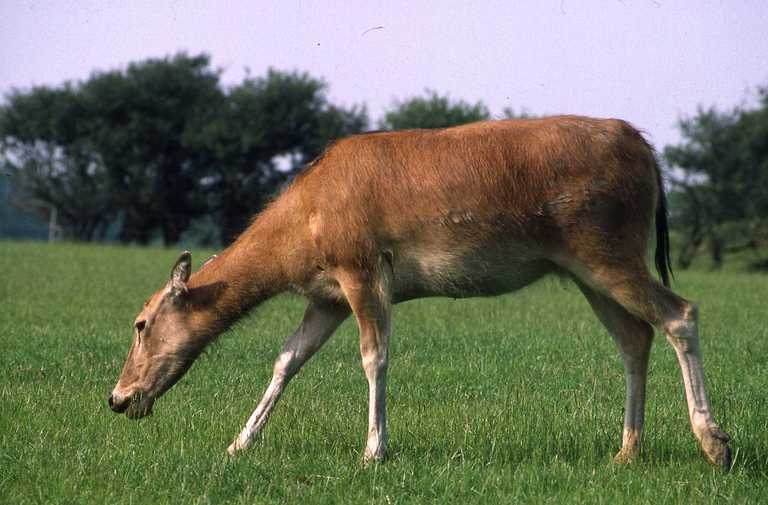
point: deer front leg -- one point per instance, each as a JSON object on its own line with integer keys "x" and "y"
{"x": 320, "y": 321}
{"x": 374, "y": 352}
{"x": 369, "y": 297}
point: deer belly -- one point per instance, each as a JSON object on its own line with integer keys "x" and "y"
{"x": 424, "y": 273}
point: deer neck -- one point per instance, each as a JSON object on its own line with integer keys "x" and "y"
{"x": 245, "y": 274}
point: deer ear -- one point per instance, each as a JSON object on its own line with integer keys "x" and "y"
{"x": 180, "y": 273}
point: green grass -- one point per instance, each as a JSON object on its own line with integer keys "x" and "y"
{"x": 510, "y": 399}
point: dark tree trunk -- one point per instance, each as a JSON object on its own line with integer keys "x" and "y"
{"x": 718, "y": 250}
{"x": 689, "y": 250}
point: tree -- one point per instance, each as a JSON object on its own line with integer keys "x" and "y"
{"x": 54, "y": 170}
{"x": 432, "y": 111}
{"x": 266, "y": 130}
{"x": 720, "y": 181}
{"x": 111, "y": 147}
{"x": 159, "y": 144}
{"x": 138, "y": 120}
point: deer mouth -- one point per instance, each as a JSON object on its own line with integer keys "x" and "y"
{"x": 135, "y": 406}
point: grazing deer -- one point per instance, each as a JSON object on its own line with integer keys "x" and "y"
{"x": 476, "y": 210}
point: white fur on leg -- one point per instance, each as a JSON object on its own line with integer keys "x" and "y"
{"x": 318, "y": 324}
{"x": 258, "y": 419}
{"x": 376, "y": 372}
{"x": 684, "y": 338}
{"x": 683, "y": 335}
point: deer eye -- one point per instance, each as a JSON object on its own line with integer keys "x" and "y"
{"x": 140, "y": 325}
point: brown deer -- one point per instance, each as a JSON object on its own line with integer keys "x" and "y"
{"x": 476, "y": 210}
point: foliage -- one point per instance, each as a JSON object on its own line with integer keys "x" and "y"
{"x": 720, "y": 181}
{"x": 112, "y": 146}
{"x": 51, "y": 163}
{"x": 160, "y": 144}
{"x": 496, "y": 400}
{"x": 432, "y": 111}
{"x": 138, "y": 120}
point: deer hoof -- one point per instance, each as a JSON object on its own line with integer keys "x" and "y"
{"x": 370, "y": 457}
{"x": 626, "y": 456}
{"x": 714, "y": 443}
{"x": 233, "y": 449}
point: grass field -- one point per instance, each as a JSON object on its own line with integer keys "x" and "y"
{"x": 512, "y": 399}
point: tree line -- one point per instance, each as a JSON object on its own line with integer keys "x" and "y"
{"x": 151, "y": 148}
{"x": 718, "y": 181}
{"x": 146, "y": 151}
{"x": 162, "y": 147}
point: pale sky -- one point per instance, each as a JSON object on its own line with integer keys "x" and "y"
{"x": 646, "y": 61}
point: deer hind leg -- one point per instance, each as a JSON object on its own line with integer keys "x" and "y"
{"x": 641, "y": 295}
{"x": 633, "y": 338}
{"x": 681, "y": 329}
{"x": 319, "y": 323}
{"x": 369, "y": 295}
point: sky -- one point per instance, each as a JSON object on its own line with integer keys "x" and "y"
{"x": 647, "y": 61}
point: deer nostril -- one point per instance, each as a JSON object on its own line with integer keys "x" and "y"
{"x": 118, "y": 404}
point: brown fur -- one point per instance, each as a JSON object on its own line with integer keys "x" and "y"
{"x": 513, "y": 198}
{"x": 475, "y": 210}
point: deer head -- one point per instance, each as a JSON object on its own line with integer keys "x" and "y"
{"x": 163, "y": 347}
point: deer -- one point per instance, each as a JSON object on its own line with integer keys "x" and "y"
{"x": 475, "y": 210}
